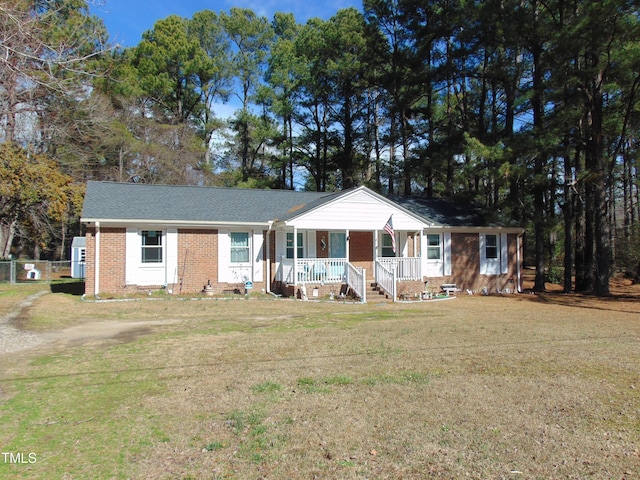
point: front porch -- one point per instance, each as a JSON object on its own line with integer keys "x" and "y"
{"x": 335, "y": 246}
{"x": 388, "y": 273}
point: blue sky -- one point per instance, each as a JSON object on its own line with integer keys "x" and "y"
{"x": 126, "y": 20}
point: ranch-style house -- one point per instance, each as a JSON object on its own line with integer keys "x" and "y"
{"x": 189, "y": 239}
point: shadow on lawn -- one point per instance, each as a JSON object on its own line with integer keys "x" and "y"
{"x": 70, "y": 288}
{"x": 619, "y": 302}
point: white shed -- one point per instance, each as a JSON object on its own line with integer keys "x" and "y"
{"x": 78, "y": 254}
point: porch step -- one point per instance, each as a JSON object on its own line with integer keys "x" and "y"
{"x": 377, "y": 293}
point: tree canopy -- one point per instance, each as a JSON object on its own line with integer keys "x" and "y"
{"x": 526, "y": 108}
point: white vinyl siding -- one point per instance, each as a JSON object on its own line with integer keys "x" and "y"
{"x": 236, "y": 262}
{"x": 504, "y": 254}
{"x": 258, "y": 255}
{"x": 151, "y": 256}
{"x": 359, "y": 210}
{"x": 436, "y": 248}
{"x": 494, "y": 259}
{"x": 447, "y": 253}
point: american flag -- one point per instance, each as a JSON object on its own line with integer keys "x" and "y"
{"x": 388, "y": 227}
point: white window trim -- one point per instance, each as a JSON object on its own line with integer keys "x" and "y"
{"x": 249, "y": 249}
{"x": 440, "y": 247}
{"x": 163, "y": 247}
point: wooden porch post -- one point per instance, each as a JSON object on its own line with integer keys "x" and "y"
{"x": 295, "y": 256}
{"x": 346, "y": 238}
{"x": 375, "y": 245}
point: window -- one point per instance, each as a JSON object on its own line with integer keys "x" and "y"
{"x": 337, "y": 245}
{"x": 433, "y": 247}
{"x": 387, "y": 246}
{"x": 491, "y": 246}
{"x": 151, "y": 246}
{"x": 300, "y": 245}
{"x": 239, "y": 247}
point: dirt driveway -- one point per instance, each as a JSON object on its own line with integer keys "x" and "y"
{"x": 14, "y": 339}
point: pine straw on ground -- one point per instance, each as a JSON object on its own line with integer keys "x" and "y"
{"x": 520, "y": 386}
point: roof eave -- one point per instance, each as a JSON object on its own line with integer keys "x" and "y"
{"x": 475, "y": 229}
{"x": 171, "y": 223}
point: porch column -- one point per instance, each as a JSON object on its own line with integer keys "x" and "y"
{"x": 267, "y": 287}
{"x": 295, "y": 255}
{"x": 375, "y": 245}
{"x": 96, "y": 265}
{"x": 346, "y": 237}
{"x": 423, "y": 251}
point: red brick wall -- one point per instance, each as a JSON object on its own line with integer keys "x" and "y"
{"x": 361, "y": 251}
{"x": 90, "y": 254}
{"x": 465, "y": 260}
{"x": 465, "y": 268}
{"x": 112, "y": 260}
{"x": 197, "y": 260}
{"x": 112, "y": 265}
{"x": 412, "y": 249}
{"x": 514, "y": 255}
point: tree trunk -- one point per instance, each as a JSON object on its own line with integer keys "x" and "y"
{"x": 7, "y": 232}
{"x": 599, "y": 177}
{"x": 569, "y": 219}
{"x": 538, "y": 172}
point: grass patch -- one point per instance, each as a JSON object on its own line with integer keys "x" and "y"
{"x": 400, "y": 378}
{"x": 213, "y": 446}
{"x": 309, "y": 385}
{"x": 338, "y": 380}
{"x": 87, "y": 425}
{"x": 266, "y": 387}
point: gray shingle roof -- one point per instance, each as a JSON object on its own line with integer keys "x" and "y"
{"x": 178, "y": 203}
{"x": 130, "y": 201}
{"x": 445, "y": 213}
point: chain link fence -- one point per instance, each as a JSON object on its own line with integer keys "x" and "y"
{"x": 28, "y": 271}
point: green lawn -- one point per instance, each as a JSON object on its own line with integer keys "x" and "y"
{"x": 476, "y": 387}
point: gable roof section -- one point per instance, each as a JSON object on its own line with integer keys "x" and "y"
{"x": 355, "y": 209}
{"x": 110, "y": 201}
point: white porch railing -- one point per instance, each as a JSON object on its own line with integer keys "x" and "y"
{"x": 386, "y": 279}
{"x": 406, "y": 268}
{"x": 357, "y": 280}
{"x": 314, "y": 270}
